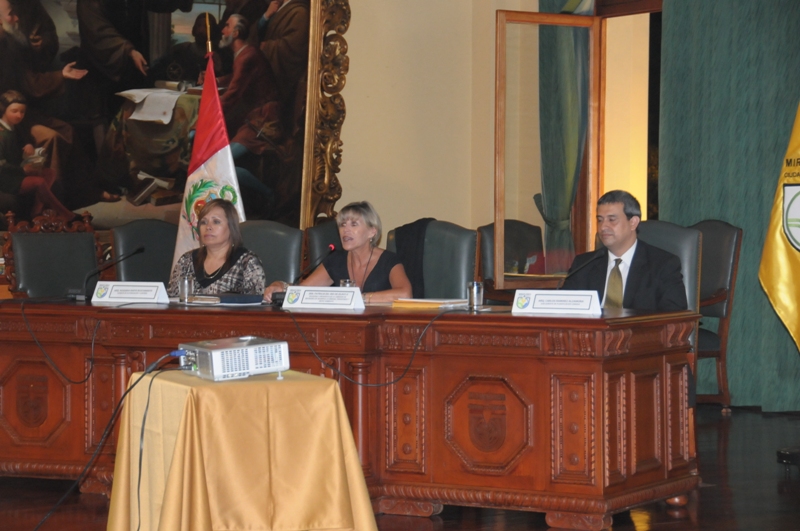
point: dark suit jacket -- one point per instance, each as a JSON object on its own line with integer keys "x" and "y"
{"x": 654, "y": 282}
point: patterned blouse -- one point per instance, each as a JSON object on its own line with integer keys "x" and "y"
{"x": 242, "y": 273}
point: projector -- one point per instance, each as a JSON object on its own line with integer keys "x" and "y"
{"x": 236, "y": 357}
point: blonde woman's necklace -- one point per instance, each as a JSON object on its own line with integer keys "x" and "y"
{"x": 366, "y": 267}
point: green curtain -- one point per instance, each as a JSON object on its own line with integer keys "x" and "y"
{"x": 730, "y": 86}
{"x": 563, "y": 109}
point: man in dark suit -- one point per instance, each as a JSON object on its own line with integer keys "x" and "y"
{"x": 644, "y": 277}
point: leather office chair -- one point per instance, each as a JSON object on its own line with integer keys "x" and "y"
{"x": 278, "y": 246}
{"x": 524, "y": 250}
{"x": 50, "y": 257}
{"x": 154, "y": 264}
{"x": 684, "y": 242}
{"x": 721, "y": 245}
{"x": 319, "y": 238}
{"x": 448, "y": 261}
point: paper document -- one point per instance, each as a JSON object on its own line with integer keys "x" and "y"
{"x": 152, "y": 105}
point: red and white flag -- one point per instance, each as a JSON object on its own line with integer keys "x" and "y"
{"x": 211, "y": 171}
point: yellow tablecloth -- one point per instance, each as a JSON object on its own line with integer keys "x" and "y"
{"x": 254, "y": 454}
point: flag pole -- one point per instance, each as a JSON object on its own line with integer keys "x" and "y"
{"x": 208, "y": 34}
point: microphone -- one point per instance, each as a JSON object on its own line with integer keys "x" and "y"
{"x": 82, "y": 295}
{"x": 278, "y": 296}
{"x": 599, "y": 253}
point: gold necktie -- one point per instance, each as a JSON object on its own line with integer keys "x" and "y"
{"x": 614, "y": 288}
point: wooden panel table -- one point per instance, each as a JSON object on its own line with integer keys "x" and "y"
{"x": 577, "y": 418}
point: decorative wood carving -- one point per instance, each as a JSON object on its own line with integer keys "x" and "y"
{"x": 35, "y": 404}
{"x": 407, "y": 508}
{"x": 334, "y": 65}
{"x": 46, "y": 223}
{"x": 646, "y": 421}
{"x": 614, "y": 429}
{"x": 405, "y": 420}
{"x": 489, "y": 340}
{"x": 677, "y": 416}
{"x": 594, "y": 522}
{"x": 440, "y": 442}
{"x": 479, "y": 414}
{"x": 572, "y": 432}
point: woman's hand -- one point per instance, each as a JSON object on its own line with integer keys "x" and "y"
{"x": 275, "y": 287}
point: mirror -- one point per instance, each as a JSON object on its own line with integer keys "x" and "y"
{"x": 545, "y": 141}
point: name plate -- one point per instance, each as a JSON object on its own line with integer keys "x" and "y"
{"x": 552, "y": 302}
{"x": 128, "y": 292}
{"x": 327, "y": 298}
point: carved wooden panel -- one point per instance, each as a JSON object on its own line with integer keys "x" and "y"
{"x": 614, "y": 439}
{"x": 192, "y": 332}
{"x": 34, "y": 402}
{"x": 488, "y": 423}
{"x": 404, "y": 337}
{"x": 100, "y": 403}
{"x": 522, "y": 341}
{"x": 647, "y": 419}
{"x": 616, "y": 342}
{"x": 405, "y": 420}
{"x": 573, "y": 434}
{"x": 677, "y": 416}
{"x": 309, "y": 364}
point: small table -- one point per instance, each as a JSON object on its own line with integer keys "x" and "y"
{"x": 257, "y": 453}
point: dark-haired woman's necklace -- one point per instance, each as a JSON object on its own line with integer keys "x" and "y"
{"x": 212, "y": 276}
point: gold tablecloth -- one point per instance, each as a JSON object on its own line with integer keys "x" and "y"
{"x": 254, "y": 454}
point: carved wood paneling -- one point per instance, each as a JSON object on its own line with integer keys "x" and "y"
{"x": 340, "y": 336}
{"x": 616, "y": 342}
{"x": 184, "y": 332}
{"x": 615, "y": 436}
{"x": 594, "y": 522}
{"x": 573, "y": 428}
{"x": 647, "y": 419}
{"x": 405, "y": 421}
{"x": 100, "y": 403}
{"x": 403, "y": 337}
{"x": 34, "y": 403}
{"x": 677, "y": 416}
{"x": 488, "y": 423}
{"x": 526, "y": 341}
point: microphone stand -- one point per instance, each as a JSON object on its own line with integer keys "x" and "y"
{"x": 278, "y": 296}
{"x": 83, "y": 295}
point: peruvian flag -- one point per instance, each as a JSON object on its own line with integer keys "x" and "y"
{"x": 211, "y": 170}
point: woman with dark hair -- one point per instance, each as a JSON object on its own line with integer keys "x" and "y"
{"x": 16, "y": 178}
{"x": 221, "y": 264}
{"x": 378, "y": 273}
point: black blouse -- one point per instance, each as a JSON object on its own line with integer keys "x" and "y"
{"x": 378, "y": 280}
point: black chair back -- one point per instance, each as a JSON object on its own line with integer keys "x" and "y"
{"x": 53, "y": 264}
{"x": 278, "y": 246}
{"x": 154, "y": 264}
{"x": 319, "y": 238}
{"x": 721, "y": 244}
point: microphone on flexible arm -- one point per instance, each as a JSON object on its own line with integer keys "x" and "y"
{"x": 71, "y": 294}
{"x": 278, "y": 296}
{"x": 599, "y": 253}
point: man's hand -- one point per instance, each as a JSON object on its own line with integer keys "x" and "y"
{"x": 73, "y": 73}
{"x": 273, "y": 8}
{"x": 201, "y": 78}
{"x": 27, "y": 151}
{"x": 139, "y": 62}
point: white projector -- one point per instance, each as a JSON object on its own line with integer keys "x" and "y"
{"x": 237, "y": 357}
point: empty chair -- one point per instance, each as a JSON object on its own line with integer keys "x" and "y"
{"x": 448, "y": 259}
{"x": 319, "y": 238}
{"x": 685, "y": 243}
{"x": 278, "y": 246}
{"x": 523, "y": 247}
{"x": 50, "y": 257}
{"x": 154, "y": 263}
{"x": 721, "y": 245}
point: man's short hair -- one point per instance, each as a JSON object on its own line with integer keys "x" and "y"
{"x": 240, "y": 27}
{"x": 629, "y": 203}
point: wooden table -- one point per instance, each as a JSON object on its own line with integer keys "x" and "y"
{"x": 577, "y": 418}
